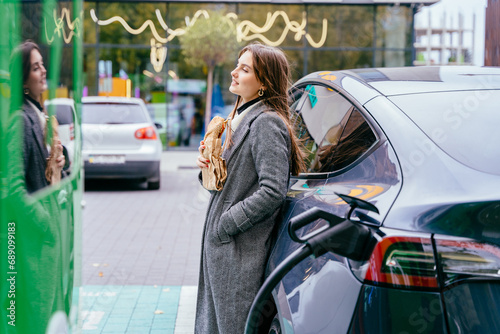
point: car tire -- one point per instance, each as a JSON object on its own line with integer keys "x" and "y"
{"x": 275, "y": 326}
{"x": 155, "y": 184}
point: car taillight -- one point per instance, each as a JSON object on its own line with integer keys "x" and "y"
{"x": 72, "y": 131}
{"x": 403, "y": 262}
{"x": 413, "y": 262}
{"x": 146, "y": 133}
{"x": 466, "y": 258}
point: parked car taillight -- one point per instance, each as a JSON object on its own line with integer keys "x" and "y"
{"x": 413, "y": 262}
{"x": 402, "y": 262}
{"x": 464, "y": 258}
{"x": 146, "y": 133}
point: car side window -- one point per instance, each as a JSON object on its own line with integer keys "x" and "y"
{"x": 355, "y": 139}
{"x": 300, "y": 126}
{"x": 308, "y": 143}
{"x": 333, "y": 131}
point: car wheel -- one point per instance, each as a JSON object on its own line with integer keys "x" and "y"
{"x": 155, "y": 183}
{"x": 275, "y": 326}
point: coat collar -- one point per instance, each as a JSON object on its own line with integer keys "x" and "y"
{"x": 243, "y": 129}
{"x": 36, "y": 128}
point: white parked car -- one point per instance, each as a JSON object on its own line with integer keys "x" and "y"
{"x": 120, "y": 140}
{"x": 65, "y": 114}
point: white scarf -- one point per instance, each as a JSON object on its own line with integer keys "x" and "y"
{"x": 238, "y": 117}
{"x": 41, "y": 116}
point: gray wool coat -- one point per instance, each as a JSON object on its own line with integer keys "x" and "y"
{"x": 240, "y": 220}
{"x": 35, "y": 151}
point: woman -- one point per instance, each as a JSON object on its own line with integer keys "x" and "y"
{"x": 34, "y": 117}
{"x": 40, "y": 268}
{"x": 260, "y": 152}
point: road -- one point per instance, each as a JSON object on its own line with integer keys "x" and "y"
{"x": 145, "y": 244}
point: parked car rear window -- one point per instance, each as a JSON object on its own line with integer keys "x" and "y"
{"x": 64, "y": 114}
{"x": 108, "y": 113}
{"x": 464, "y": 124}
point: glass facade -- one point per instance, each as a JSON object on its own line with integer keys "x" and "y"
{"x": 135, "y": 49}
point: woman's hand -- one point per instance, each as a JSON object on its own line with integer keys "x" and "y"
{"x": 202, "y": 162}
{"x": 60, "y": 160}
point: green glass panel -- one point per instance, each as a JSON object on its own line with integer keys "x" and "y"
{"x": 40, "y": 246}
{"x": 392, "y": 58}
{"x": 394, "y": 27}
{"x": 338, "y": 60}
{"x": 348, "y": 25}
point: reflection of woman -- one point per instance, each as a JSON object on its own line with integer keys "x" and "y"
{"x": 34, "y": 148}
{"x": 261, "y": 151}
{"x": 41, "y": 283}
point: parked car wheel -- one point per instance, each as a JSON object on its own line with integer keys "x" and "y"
{"x": 154, "y": 182}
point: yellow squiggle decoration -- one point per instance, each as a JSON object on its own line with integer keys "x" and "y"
{"x": 74, "y": 26}
{"x": 148, "y": 23}
{"x": 246, "y": 26}
{"x": 246, "y": 30}
{"x": 158, "y": 55}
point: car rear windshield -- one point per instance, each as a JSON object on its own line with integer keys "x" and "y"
{"x": 462, "y": 123}
{"x": 113, "y": 113}
{"x": 64, "y": 113}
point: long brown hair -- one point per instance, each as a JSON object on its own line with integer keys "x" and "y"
{"x": 20, "y": 67}
{"x": 26, "y": 49}
{"x": 273, "y": 72}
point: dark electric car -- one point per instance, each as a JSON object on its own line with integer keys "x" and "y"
{"x": 421, "y": 144}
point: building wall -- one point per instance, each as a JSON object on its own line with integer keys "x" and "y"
{"x": 492, "y": 34}
{"x": 137, "y": 45}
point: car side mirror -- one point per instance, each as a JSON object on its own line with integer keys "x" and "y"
{"x": 158, "y": 125}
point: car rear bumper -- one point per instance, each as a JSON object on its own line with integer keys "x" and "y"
{"x": 383, "y": 310}
{"x": 127, "y": 170}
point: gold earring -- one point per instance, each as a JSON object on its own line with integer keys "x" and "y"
{"x": 26, "y": 91}
{"x": 261, "y": 91}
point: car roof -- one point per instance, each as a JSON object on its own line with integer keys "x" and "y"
{"x": 111, "y": 99}
{"x": 418, "y": 79}
{"x": 61, "y": 101}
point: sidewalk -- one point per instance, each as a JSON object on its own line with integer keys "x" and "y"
{"x": 141, "y": 255}
{"x": 136, "y": 309}
{"x": 172, "y": 161}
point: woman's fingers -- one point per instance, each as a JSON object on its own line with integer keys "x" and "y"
{"x": 60, "y": 161}
{"x": 202, "y": 162}
{"x": 201, "y": 147}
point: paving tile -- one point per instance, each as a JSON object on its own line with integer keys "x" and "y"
{"x": 141, "y": 252}
{"x": 137, "y": 307}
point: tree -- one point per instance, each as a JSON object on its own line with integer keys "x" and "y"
{"x": 209, "y": 42}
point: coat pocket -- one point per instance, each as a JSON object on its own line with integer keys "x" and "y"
{"x": 226, "y": 206}
{"x": 222, "y": 235}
